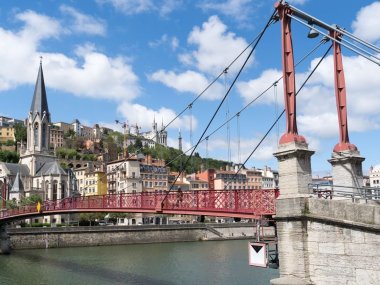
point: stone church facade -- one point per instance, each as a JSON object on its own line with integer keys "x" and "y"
{"x": 38, "y": 171}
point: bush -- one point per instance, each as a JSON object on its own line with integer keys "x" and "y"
{"x": 40, "y": 225}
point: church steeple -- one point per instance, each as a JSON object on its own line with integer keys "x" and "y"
{"x": 39, "y": 118}
{"x": 39, "y": 103}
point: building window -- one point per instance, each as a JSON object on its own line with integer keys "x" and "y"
{"x": 55, "y": 189}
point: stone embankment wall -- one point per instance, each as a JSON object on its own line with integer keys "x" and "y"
{"x": 114, "y": 235}
{"x": 328, "y": 241}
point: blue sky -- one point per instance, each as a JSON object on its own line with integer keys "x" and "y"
{"x": 141, "y": 60}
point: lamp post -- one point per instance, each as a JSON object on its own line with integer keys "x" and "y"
{"x": 125, "y": 126}
{"x": 4, "y": 192}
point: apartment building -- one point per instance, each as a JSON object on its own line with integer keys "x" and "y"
{"x": 230, "y": 180}
{"x": 270, "y": 178}
{"x": 7, "y": 133}
{"x": 64, "y": 127}
{"x": 123, "y": 176}
{"x": 154, "y": 174}
{"x": 91, "y": 181}
{"x": 56, "y": 137}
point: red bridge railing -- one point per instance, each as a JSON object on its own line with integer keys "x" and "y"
{"x": 233, "y": 203}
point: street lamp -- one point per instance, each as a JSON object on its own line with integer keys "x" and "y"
{"x": 125, "y": 126}
{"x": 4, "y": 192}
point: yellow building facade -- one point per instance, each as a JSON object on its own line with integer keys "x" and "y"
{"x": 7, "y": 133}
{"x": 91, "y": 182}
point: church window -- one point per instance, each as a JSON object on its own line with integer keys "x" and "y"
{"x": 43, "y": 142}
{"x": 55, "y": 190}
{"x": 35, "y": 132}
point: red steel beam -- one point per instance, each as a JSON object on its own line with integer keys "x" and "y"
{"x": 291, "y": 134}
{"x": 340, "y": 95}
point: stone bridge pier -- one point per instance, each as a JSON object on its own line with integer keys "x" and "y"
{"x": 323, "y": 241}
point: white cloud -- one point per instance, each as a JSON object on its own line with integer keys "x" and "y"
{"x": 367, "y": 22}
{"x": 324, "y": 125}
{"x": 129, "y": 7}
{"x": 165, "y": 40}
{"x": 90, "y": 79}
{"x": 297, "y": 2}
{"x": 168, "y": 6}
{"x": 174, "y": 43}
{"x": 249, "y": 90}
{"x": 62, "y": 72}
{"x": 189, "y": 81}
{"x": 143, "y": 116}
{"x": 216, "y": 48}
{"x": 218, "y": 148}
{"x": 239, "y": 10}
{"x": 38, "y": 27}
{"x": 132, "y": 7}
{"x": 82, "y": 23}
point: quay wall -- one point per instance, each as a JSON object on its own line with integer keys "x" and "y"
{"x": 32, "y": 238}
{"x": 328, "y": 242}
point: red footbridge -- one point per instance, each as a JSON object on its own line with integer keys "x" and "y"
{"x": 254, "y": 204}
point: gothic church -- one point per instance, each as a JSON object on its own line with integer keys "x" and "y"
{"x": 38, "y": 171}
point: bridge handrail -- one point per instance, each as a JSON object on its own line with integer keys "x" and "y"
{"x": 255, "y": 202}
{"x": 328, "y": 191}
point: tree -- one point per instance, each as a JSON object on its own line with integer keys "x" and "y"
{"x": 112, "y": 217}
{"x": 138, "y": 143}
{"x": 70, "y": 134}
{"x": 12, "y": 204}
{"x": 9, "y": 156}
{"x": 20, "y": 133}
{"x": 90, "y": 218}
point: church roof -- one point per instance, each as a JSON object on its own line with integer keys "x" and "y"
{"x": 18, "y": 186}
{"x": 39, "y": 103}
{"x": 15, "y": 168}
{"x": 51, "y": 168}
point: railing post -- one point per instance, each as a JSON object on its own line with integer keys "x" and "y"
{"x": 236, "y": 197}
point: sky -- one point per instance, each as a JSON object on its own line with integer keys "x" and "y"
{"x": 139, "y": 61}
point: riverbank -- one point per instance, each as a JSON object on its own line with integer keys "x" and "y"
{"x": 34, "y": 238}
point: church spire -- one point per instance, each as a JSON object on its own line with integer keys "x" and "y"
{"x": 39, "y": 103}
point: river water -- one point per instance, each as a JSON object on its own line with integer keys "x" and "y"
{"x": 184, "y": 263}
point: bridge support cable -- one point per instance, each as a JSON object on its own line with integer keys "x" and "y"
{"x": 323, "y": 41}
{"x": 238, "y": 135}
{"x": 276, "y": 111}
{"x": 254, "y": 41}
{"x": 282, "y": 113}
{"x": 269, "y": 22}
{"x": 227, "y": 119}
{"x": 366, "y": 50}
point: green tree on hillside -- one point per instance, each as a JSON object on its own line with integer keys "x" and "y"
{"x": 9, "y": 156}
{"x": 20, "y": 133}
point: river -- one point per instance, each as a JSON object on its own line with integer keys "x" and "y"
{"x": 183, "y": 263}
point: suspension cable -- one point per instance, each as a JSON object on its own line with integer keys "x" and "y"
{"x": 270, "y": 21}
{"x": 238, "y": 135}
{"x": 323, "y": 41}
{"x": 270, "y": 128}
{"x": 222, "y": 72}
{"x": 283, "y": 111}
{"x": 346, "y": 44}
